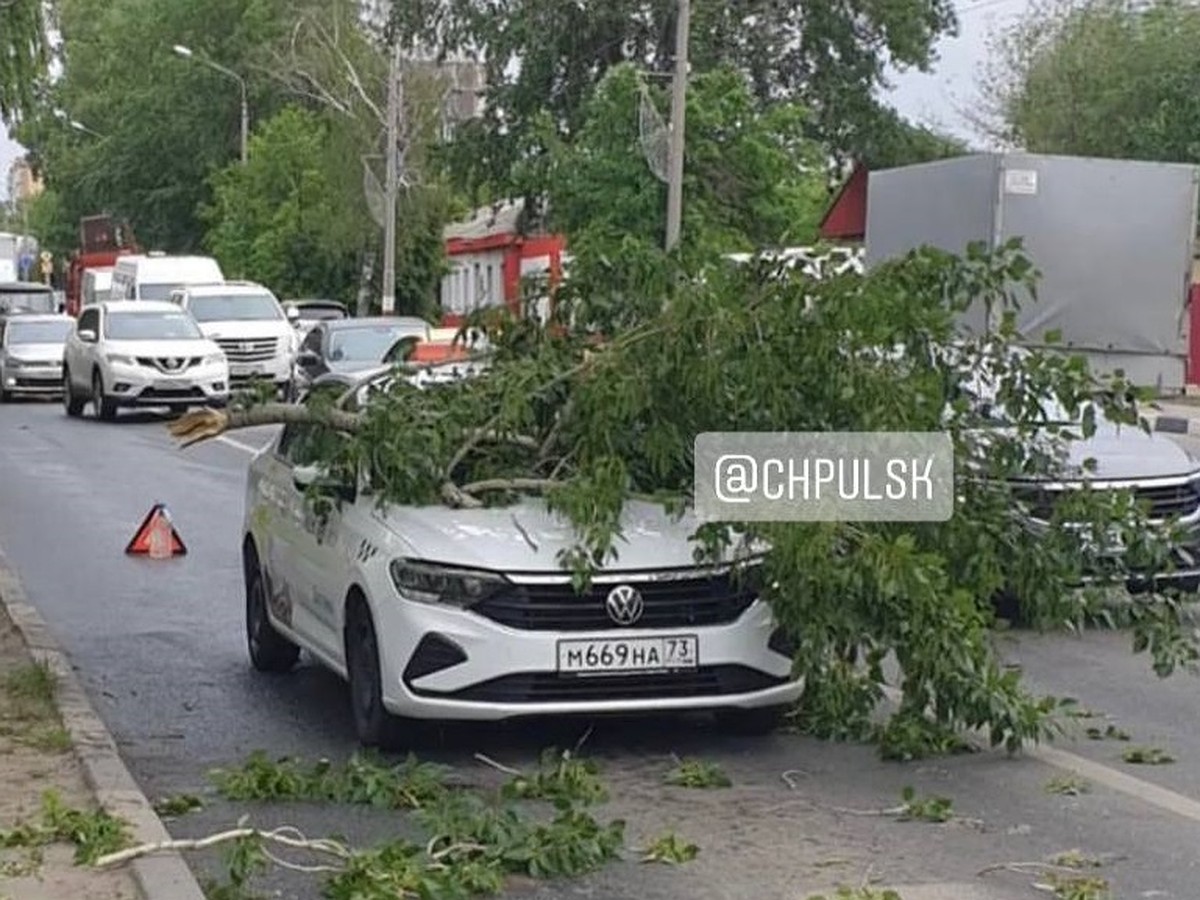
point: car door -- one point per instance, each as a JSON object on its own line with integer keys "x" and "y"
{"x": 317, "y": 564}
{"x": 78, "y": 352}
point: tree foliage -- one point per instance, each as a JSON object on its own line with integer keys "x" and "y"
{"x": 23, "y": 55}
{"x": 1103, "y": 78}
{"x": 827, "y": 57}
{"x": 752, "y": 179}
{"x": 596, "y": 429}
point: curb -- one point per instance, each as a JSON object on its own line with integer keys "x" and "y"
{"x": 159, "y": 876}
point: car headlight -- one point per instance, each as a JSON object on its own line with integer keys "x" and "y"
{"x": 448, "y": 585}
{"x": 214, "y": 358}
{"x": 121, "y": 360}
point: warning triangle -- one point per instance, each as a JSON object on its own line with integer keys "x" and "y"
{"x": 156, "y": 537}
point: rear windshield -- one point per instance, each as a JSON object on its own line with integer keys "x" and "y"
{"x": 38, "y": 332}
{"x": 31, "y": 301}
{"x": 150, "y": 326}
{"x": 234, "y": 307}
{"x": 156, "y": 291}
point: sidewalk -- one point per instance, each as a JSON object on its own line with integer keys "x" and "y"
{"x": 35, "y": 756}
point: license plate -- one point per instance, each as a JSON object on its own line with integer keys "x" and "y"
{"x": 172, "y": 385}
{"x": 649, "y": 654}
{"x": 246, "y": 369}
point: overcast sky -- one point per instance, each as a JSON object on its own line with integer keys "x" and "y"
{"x": 932, "y": 99}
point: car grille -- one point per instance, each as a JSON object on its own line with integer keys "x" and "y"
{"x": 252, "y": 350}
{"x": 673, "y": 603}
{"x": 171, "y": 394}
{"x": 169, "y": 364}
{"x": 551, "y": 687}
{"x": 1164, "y": 501}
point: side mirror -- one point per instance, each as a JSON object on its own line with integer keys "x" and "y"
{"x": 87, "y": 336}
{"x": 292, "y": 312}
{"x": 318, "y": 477}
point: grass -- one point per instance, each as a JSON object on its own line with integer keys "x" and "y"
{"x": 30, "y": 716}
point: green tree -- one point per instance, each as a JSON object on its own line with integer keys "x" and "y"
{"x": 891, "y": 141}
{"x": 1099, "y": 79}
{"x": 828, "y": 57}
{"x": 752, "y": 180}
{"x": 271, "y": 218}
{"x": 23, "y": 55}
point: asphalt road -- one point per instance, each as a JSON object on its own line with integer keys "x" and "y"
{"x": 160, "y": 647}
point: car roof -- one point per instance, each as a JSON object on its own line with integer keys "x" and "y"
{"x": 225, "y": 288}
{"x": 45, "y": 317}
{"x": 375, "y": 322}
{"x": 316, "y": 303}
{"x": 145, "y": 306}
{"x": 25, "y": 287}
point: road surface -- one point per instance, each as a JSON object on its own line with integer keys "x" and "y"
{"x": 160, "y": 647}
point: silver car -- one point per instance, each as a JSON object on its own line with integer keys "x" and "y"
{"x": 31, "y": 354}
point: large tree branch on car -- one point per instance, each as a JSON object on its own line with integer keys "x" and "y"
{"x": 203, "y": 424}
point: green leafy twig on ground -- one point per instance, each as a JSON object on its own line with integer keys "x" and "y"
{"x": 560, "y": 777}
{"x": 671, "y": 849}
{"x": 859, "y": 893}
{"x": 363, "y": 779}
{"x": 1069, "y": 785}
{"x": 924, "y": 809}
{"x": 177, "y": 805}
{"x": 1109, "y": 733}
{"x": 1147, "y": 756}
{"x": 94, "y": 833}
{"x": 1076, "y": 887}
{"x": 697, "y": 773}
{"x": 30, "y": 716}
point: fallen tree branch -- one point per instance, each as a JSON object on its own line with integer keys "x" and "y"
{"x": 204, "y": 424}
{"x": 286, "y": 836}
{"x": 510, "y": 484}
{"x": 499, "y": 767}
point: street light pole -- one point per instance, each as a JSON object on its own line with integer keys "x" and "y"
{"x": 678, "y": 113}
{"x": 395, "y": 98}
{"x": 186, "y": 53}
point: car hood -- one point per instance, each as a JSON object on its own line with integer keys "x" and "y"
{"x": 528, "y": 537}
{"x": 182, "y": 347}
{"x": 1125, "y": 452}
{"x": 247, "y": 329}
{"x": 36, "y": 352}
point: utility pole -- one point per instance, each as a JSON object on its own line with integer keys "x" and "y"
{"x": 678, "y": 112}
{"x": 394, "y": 102}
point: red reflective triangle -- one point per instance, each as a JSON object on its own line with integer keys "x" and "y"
{"x": 139, "y": 544}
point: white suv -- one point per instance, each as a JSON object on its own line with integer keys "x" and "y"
{"x": 140, "y": 353}
{"x": 248, "y": 322}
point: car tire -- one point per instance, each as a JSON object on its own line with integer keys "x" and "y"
{"x": 269, "y": 650}
{"x": 751, "y": 722}
{"x": 106, "y": 409}
{"x": 374, "y": 725}
{"x": 71, "y": 402}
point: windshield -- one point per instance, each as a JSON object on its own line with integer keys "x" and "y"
{"x": 234, "y": 307}
{"x": 156, "y": 291}
{"x": 150, "y": 326}
{"x": 38, "y": 332}
{"x": 366, "y": 344}
{"x": 33, "y": 301}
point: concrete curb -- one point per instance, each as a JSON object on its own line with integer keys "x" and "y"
{"x": 160, "y": 876}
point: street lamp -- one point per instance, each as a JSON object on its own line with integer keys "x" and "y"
{"x": 186, "y": 53}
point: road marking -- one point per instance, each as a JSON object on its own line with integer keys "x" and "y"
{"x": 1122, "y": 782}
{"x": 246, "y": 448}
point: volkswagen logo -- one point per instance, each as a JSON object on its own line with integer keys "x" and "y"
{"x": 624, "y": 604}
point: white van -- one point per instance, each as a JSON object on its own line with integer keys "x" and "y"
{"x": 154, "y": 276}
{"x": 96, "y": 285}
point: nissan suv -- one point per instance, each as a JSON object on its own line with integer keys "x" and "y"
{"x": 248, "y": 323}
{"x": 125, "y": 353}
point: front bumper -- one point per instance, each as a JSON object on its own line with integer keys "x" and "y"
{"x": 204, "y": 384}
{"x": 482, "y": 670}
{"x": 34, "y": 380}
{"x": 276, "y": 371}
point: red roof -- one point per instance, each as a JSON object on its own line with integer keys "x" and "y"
{"x": 846, "y": 218}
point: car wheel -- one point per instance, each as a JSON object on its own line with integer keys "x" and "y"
{"x": 71, "y": 403}
{"x": 106, "y": 409}
{"x": 375, "y": 726}
{"x": 754, "y": 722}
{"x": 270, "y": 651}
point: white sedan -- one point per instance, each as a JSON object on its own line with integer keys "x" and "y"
{"x": 440, "y": 613}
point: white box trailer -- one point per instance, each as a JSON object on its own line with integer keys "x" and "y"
{"x": 1113, "y": 240}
